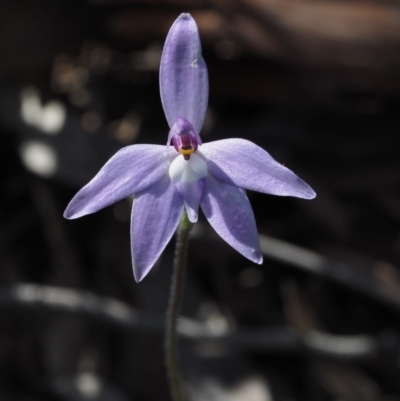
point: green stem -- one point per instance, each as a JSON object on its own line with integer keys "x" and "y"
{"x": 174, "y": 306}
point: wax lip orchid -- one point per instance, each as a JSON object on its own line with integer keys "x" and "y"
{"x": 189, "y": 174}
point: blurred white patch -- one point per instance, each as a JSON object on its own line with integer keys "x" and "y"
{"x": 88, "y": 385}
{"x": 38, "y": 158}
{"x": 213, "y": 318}
{"x": 251, "y": 389}
{"x": 117, "y": 309}
{"x": 47, "y": 295}
{"x": 49, "y": 118}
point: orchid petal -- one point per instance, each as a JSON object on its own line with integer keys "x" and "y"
{"x": 189, "y": 177}
{"x": 155, "y": 217}
{"x": 246, "y": 165}
{"x": 229, "y": 212}
{"x": 133, "y": 169}
{"x": 183, "y": 74}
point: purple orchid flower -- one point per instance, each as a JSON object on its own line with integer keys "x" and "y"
{"x": 189, "y": 175}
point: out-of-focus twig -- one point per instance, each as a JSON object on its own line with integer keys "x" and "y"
{"x": 339, "y": 273}
{"x": 116, "y": 314}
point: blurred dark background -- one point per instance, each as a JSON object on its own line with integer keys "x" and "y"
{"x": 317, "y": 84}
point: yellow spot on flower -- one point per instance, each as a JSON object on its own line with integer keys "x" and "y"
{"x": 186, "y": 152}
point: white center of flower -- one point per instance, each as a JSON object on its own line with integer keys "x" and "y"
{"x": 191, "y": 170}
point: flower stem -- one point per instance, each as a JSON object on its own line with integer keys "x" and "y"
{"x": 174, "y": 306}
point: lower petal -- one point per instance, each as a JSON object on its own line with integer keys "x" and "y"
{"x": 229, "y": 212}
{"x": 155, "y": 217}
